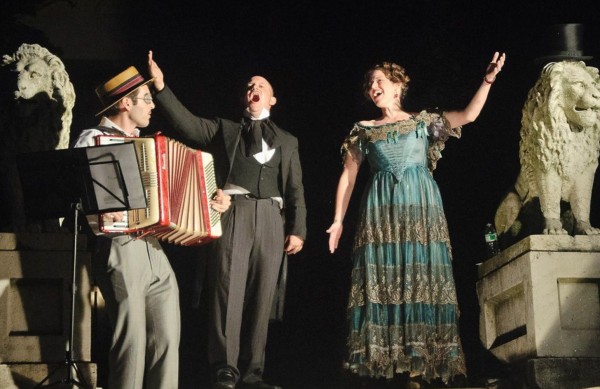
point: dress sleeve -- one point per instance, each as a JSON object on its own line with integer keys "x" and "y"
{"x": 439, "y": 132}
{"x": 354, "y": 144}
{"x": 439, "y": 128}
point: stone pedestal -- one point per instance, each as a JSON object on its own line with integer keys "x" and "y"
{"x": 563, "y": 373}
{"x": 35, "y": 308}
{"x": 540, "y": 298}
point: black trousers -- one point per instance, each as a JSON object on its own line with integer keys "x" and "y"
{"x": 242, "y": 277}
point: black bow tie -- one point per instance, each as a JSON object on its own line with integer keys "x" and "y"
{"x": 253, "y": 135}
{"x": 254, "y": 132}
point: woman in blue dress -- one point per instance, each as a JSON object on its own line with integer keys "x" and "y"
{"x": 402, "y": 310}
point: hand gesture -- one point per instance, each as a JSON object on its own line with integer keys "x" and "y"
{"x": 335, "y": 232}
{"x": 155, "y": 73}
{"x": 494, "y": 67}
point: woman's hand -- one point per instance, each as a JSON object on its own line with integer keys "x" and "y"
{"x": 335, "y": 232}
{"x": 494, "y": 67}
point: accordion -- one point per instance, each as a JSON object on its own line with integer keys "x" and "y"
{"x": 179, "y": 183}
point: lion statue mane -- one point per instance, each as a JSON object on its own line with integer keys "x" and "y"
{"x": 44, "y": 83}
{"x": 559, "y": 149}
{"x": 37, "y": 119}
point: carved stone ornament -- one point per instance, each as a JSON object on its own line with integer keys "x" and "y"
{"x": 559, "y": 149}
{"x": 37, "y": 119}
{"x": 46, "y": 93}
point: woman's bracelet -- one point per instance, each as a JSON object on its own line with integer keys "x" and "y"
{"x": 490, "y": 69}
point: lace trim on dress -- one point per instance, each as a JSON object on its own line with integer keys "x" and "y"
{"x": 413, "y": 229}
{"x": 437, "y": 125}
{"x": 380, "y": 350}
{"x": 435, "y": 356}
{"x": 385, "y": 285}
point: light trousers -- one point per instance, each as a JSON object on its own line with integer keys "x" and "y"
{"x": 142, "y": 301}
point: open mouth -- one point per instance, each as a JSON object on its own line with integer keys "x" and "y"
{"x": 586, "y": 117}
{"x": 588, "y": 109}
{"x": 255, "y": 98}
{"x": 589, "y": 113}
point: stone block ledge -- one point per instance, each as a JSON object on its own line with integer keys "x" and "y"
{"x": 563, "y": 373}
{"x": 43, "y": 241}
{"x": 30, "y": 375}
{"x": 554, "y": 243}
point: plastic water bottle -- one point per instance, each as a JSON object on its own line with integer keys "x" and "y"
{"x": 491, "y": 240}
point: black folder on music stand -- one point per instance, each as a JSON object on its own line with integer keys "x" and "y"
{"x": 102, "y": 179}
{"x": 90, "y": 180}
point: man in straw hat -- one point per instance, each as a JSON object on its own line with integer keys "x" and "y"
{"x": 134, "y": 275}
{"x": 258, "y": 164}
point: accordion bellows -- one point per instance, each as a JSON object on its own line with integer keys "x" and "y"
{"x": 179, "y": 183}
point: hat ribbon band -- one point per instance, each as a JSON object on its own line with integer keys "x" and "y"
{"x": 127, "y": 85}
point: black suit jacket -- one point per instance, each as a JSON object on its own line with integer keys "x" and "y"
{"x": 221, "y": 137}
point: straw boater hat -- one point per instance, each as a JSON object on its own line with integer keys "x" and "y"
{"x": 113, "y": 90}
{"x": 563, "y": 42}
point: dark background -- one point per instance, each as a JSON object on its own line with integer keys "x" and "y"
{"x": 315, "y": 54}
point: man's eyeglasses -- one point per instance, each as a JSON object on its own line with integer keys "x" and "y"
{"x": 147, "y": 99}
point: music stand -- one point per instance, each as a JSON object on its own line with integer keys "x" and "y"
{"x": 89, "y": 180}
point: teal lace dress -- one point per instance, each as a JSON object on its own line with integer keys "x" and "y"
{"x": 402, "y": 310}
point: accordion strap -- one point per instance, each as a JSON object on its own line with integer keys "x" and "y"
{"x": 109, "y": 131}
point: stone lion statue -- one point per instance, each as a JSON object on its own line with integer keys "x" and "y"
{"x": 37, "y": 119}
{"x": 43, "y": 89}
{"x": 559, "y": 149}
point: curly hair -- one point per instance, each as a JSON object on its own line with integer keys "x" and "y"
{"x": 61, "y": 91}
{"x": 392, "y": 71}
